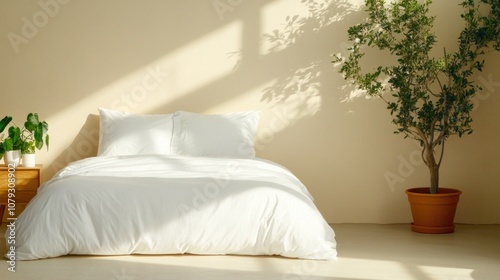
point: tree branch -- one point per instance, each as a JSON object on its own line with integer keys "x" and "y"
{"x": 441, "y": 156}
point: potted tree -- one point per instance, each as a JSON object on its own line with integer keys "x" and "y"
{"x": 428, "y": 96}
{"x": 33, "y": 135}
{"x": 10, "y": 147}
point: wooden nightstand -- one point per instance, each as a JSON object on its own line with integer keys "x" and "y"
{"x": 28, "y": 179}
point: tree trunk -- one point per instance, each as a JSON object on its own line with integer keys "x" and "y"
{"x": 430, "y": 161}
{"x": 434, "y": 178}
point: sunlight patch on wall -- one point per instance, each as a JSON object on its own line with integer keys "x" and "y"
{"x": 353, "y": 94}
{"x": 284, "y": 22}
{"x": 203, "y": 61}
{"x": 180, "y": 72}
{"x": 286, "y": 113}
{"x": 246, "y": 100}
{"x": 277, "y": 34}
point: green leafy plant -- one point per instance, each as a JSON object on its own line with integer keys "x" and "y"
{"x": 429, "y": 97}
{"x": 13, "y": 140}
{"x": 33, "y": 135}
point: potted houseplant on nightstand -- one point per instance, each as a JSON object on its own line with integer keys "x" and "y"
{"x": 10, "y": 147}
{"x": 33, "y": 135}
{"x": 429, "y": 97}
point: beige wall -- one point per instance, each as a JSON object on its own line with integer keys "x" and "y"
{"x": 66, "y": 58}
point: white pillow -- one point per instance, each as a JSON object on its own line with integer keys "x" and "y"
{"x": 131, "y": 134}
{"x": 226, "y": 135}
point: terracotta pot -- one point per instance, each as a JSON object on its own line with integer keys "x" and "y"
{"x": 433, "y": 213}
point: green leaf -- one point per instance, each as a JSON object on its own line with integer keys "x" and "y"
{"x": 47, "y": 141}
{"x": 14, "y": 134}
{"x": 8, "y": 144}
{"x": 4, "y": 122}
{"x": 39, "y": 136}
{"x": 31, "y": 122}
{"x": 28, "y": 147}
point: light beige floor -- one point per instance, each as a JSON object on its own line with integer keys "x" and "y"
{"x": 366, "y": 251}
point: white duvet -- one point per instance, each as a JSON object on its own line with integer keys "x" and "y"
{"x": 172, "y": 205}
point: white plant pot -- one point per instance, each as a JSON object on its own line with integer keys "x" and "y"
{"x": 12, "y": 157}
{"x": 29, "y": 160}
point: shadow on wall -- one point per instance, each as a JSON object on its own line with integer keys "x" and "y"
{"x": 84, "y": 145}
{"x": 295, "y": 62}
{"x": 296, "y": 59}
{"x": 304, "y": 77}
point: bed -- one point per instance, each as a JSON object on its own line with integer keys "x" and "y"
{"x": 154, "y": 192}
